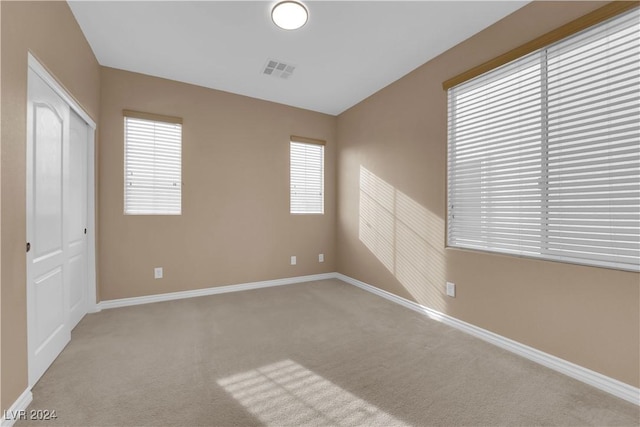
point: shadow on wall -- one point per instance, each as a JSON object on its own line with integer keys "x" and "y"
{"x": 407, "y": 238}
{"x": 286, "y": 393}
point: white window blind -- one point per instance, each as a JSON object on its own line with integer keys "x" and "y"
{"x": 153, "y": 167}
{"x": 307, "y": 178}
{"x": 544, "y": 152}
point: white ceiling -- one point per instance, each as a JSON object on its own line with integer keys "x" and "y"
{"x": 347, "y": 51}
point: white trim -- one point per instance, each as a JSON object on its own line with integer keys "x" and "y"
{"x": 599, "y": 381}
{"x": 91, "y": 296}
{"x": 595, "y": 379}
{"x": 125, "y": 302}
{"x": 45, "y": 75}
{"x": 19, "y": 405}
{"x": 42, "y": 72}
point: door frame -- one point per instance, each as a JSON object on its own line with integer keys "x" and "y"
{"x": 40, "y": 70}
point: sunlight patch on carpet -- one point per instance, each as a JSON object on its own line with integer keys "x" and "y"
{"x": 286, "y": 393}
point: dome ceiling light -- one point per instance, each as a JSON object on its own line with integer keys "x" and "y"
{"x": 289, "y": 15}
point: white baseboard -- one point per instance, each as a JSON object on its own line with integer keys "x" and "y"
{"x": 599, "y": 381}
{"x": 15, "y": 412}
{"x": 125, "y": 302}
{"x": 602, "y": 382}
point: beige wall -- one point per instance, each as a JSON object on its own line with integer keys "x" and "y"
{"x": 235, "y": 226}
{"x": 391, "y": 231}
{"x": 1, "y": 404}
{"x": 50, "y": 32}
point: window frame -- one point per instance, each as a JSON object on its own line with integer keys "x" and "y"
{"x": 311, "y": 142}
{"x": 545, "y": 254}
{"x": 154, "y": 119}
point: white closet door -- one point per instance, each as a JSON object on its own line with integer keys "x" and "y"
{"x": 75, "y": 215}
{"x": 47, "y": 145}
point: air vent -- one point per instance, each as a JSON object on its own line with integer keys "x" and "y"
{"x": 278, "y": 69}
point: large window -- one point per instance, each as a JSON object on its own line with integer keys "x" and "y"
{"x": 306, "y": 176}
{"x": 152, "y": 164}
{"x": 544, "y": 152}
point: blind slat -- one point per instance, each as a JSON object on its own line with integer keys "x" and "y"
{"x": 544, "y": 152}
{"x": 153, "y": 165}
{"x": 306, "y": 173}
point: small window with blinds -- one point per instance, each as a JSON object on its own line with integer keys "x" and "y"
{"x": 306, "y": 176}
{"x": 544, "y": 152}
{"x": 152, "y": 164}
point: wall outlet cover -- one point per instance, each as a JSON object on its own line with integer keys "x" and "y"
{"x": 320, "y": 257}
{"x": 157, "y": 273}
{"x": 451, "y": 289}
{"x": 293, "y": 260}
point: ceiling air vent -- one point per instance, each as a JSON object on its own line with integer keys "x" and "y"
{"x": 278, "y": 69}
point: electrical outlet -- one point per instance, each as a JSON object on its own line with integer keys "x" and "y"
{"x": 293, "y": 260}
{"x": 320, "y": 257}
{"x": 451, "y": 289}
{"x": 157, "y": 273}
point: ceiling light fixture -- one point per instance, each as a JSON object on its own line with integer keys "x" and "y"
{"x": 289, "y": 15}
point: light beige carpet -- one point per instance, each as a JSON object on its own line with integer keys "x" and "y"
{"x": 319, "y": 353}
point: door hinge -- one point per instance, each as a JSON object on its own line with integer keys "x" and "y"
{"x": 85, "y": 231}
{"x": 28, "y": 246}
